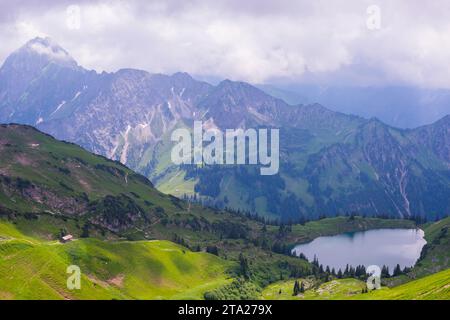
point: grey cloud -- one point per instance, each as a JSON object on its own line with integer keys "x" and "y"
{"x": 252, "y": 40}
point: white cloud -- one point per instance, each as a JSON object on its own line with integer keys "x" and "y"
{"x": 254, "y": 41}
{"x": 53, "y": 53}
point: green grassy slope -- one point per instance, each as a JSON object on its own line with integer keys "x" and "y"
{"x": 332, "y": 290}
{"x": 35, "y": 269}
{"x": 47, "y": 185}
{"x": 41, "y": 174}
{"x": 436, "y": 253}
{"x": 435, "y": 286}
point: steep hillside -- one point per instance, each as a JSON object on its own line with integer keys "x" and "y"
{"x": 436, "y": 253}
{"x": 110, "y": 270}
{"x": 41, "y": 175}
{"x": 435, "y": 286}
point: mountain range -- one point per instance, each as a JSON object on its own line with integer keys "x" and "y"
{"x": 330, "y": 163}
{"x": 398, "y": 106}
{"x": 122, "y": 229}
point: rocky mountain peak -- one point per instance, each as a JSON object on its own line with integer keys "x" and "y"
{"x": 47, "y": 50}
{"x": 29, "y": 61}
{"x": 182, "y": 76}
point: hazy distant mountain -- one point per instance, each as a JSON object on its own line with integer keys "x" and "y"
{"x": 403, "y": 107}
{"x": 330, "y": 162}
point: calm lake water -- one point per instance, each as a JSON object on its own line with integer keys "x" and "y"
{"x": 373, "y": 247}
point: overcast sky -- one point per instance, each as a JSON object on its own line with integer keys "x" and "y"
{"x": 253, "y": 40}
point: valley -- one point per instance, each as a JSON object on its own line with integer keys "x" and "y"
{"x": 330, "y": 163}
{"x": 133, "y": 242}
{"x": 210, "y": 159}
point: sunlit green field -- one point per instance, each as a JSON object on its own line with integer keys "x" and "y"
{"x": 333, "y": 290}
{"x": 34, "y": 269}
{"x": 435, "y": 286}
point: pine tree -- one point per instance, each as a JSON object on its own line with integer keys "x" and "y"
{"x": 244, "y": 269}
{"x": 385, "y": 272}
{"x": 346, "y": 271}
{"x": 363, "y": 271}
{"x": 321, "y": 269}
{"x": 296, "y": 288}
{"x": 397, "y": 270}
{"x": 352, "y": 271}
{"x": 316, "y": 261}
{"x": 85, "y": 232}
{"x": 213, "y": 250}
{"x": 406, "y": 270}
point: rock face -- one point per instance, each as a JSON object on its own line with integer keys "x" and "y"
{"x": 330, "y": 163}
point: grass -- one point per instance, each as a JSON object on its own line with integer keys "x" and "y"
{"x": 177, "y": 185}
{"x": 436, "y": 253}
{"x": 35, "y": 269}
{"x": 432, "y": 287}
{"x": 332, "y": 290}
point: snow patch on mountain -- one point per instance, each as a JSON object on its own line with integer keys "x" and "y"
{"x": 124, "y": 154}
{"x": 76, "y": 96}
{"x": 58, "y": 107}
